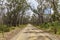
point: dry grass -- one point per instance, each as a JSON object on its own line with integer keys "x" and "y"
{"x": 13, "y": 31}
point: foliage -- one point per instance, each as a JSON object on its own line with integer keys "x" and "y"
{"x": 4, "y": 28}
{"x": 54, "y": 26}
{"x": 15, "y": 12}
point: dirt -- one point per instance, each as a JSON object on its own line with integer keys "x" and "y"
{"x": 32, "y": 33}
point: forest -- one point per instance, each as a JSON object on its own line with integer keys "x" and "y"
{"x": 14, "y": 13}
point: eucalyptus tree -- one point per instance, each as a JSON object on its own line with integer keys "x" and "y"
{"x": 2, "y": 9}
{"x": 42, "y": 5}
{"x": 55, "y": 16}
{"x": 34, "y": 19}
{"x": 54, "y": 6}
{"x": 15, "y": 8}
{"x": 56, "y": 12}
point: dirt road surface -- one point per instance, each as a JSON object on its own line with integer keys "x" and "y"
{"x": 32, "y": 33}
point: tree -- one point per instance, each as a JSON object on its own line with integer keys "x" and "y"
{"x": 14, "y": 8}
{"x": 34, "y": 19}
{"x": 42, "y": 5}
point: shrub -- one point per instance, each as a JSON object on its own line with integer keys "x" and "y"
{"x": 4, "y": 28}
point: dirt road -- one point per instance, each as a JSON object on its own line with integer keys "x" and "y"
{"x": 32, "y": 33}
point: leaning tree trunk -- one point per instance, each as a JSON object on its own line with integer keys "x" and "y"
{"x": 40, "y": 18}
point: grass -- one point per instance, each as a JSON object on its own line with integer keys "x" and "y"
{"x": 7, "y": 29}
{"x": 50, "y": 27}
{"x": 12, "y": 31}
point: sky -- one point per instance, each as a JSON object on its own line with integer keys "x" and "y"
{"x": 4, "y": 1}
{"x": 48, "y": 10}
{"x": 33, "y": 3}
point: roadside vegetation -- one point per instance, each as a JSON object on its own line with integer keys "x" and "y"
{"x": 7, "y": 33}
{"x": 53, "y": 28}
{"x": 50, "y": 22}
{"x": 5, "y": 28}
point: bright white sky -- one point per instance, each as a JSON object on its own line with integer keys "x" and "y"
{"x": 33, "y": 4}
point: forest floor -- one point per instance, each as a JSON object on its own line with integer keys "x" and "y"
{"x": 32, "y": 33}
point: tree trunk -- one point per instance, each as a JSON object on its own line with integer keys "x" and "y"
{"x": 40, "y": 18}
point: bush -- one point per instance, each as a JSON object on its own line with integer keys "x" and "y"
{"x": 4, "y": 28}
{"x": 54, "y": 26}
{"x": 45, "y": 25}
